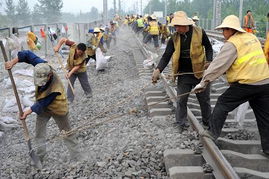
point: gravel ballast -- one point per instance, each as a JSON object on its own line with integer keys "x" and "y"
{"x": 130, "y": 145}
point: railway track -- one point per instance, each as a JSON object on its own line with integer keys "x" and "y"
{"x": 236, "y": 154}
{"x": 218, "y": 35}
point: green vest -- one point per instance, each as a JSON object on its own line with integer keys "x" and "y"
{"x": 140, "y": 22}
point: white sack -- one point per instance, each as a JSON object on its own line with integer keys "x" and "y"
{"x": 101, "y": 62}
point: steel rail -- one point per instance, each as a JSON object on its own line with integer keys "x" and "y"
{"x": 218, "y": 35}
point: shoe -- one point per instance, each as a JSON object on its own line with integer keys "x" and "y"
{"x": 181, "y": 129}
{"x": 208, "y": 134}
{"x": 205, "y": 125}
{"x": 89, "y": 95}
{"x": 186, "y": 125}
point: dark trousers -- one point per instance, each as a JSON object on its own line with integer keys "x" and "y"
{"x": 83, "y": 79}
{"x": 155, "y": 39}
{"x": 88, "y": 58}
{"x": 236, "y": 94}
{"x": 107, "y": 42}
{"x": 184, "y": 85}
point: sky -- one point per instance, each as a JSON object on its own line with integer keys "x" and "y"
{"x": 77, "y": 6}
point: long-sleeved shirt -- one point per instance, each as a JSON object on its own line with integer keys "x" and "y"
{"x": 222, "y": 62}
{"x": 29, "y": 57}
{"x": 185, "y": 64}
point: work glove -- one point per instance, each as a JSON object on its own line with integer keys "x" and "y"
{"x": 155, "y": 75}
{"x": 200, "y": 87}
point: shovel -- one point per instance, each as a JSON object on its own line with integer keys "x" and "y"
{"x": 32, "y": 154}
{"x": 65, "y": 71}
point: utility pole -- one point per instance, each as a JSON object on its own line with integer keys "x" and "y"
{"x": 213, "y": 25}
{"x": 240, "y": 11}
{"x": 141, "y": 7}
{"x": 216, "y": 13}
{"x": 115, "y": 7}
{"x": 165, "y": 8}
{"x": 119, "y": 7}
{"x": 150, "y": 7}
{"x": 105, "y": 11}
{"x": 137, "y": 7}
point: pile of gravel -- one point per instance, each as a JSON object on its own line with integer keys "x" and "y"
{"x": 131, "y": 144}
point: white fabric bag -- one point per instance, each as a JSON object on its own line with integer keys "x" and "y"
{"x": 148, "y": 63}
{"x": 101, "y": 61}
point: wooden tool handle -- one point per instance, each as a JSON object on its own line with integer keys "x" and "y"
{"x": 26, "y": 132}
{"x": 65, "y": 71}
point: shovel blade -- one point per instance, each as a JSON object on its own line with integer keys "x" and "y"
{"x": 33, "y": 156}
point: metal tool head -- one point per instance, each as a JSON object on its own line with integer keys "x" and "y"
{"x": 36, "y": 160}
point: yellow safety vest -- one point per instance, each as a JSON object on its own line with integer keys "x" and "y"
{"x": 266, "y": 47}
{"x": 59, "y": 105}
{"x": 251, "y": 65}
{"x": 92, "y": 41}
{"x": 140, "y": 22}
{"x": 197, "y": 52}
{"x": 71, "y": 62}
{"x": 164, "y": 30}
{"x": 168, "y": 19}
{"x": 153, "y": 28}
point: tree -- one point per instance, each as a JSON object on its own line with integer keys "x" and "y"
{"x": 37, "y": 14}
{"x": 94, "y": 13}
{"x": 11, "y": 11}
{"x": 154, "y": 5}
{"x": 51, "y": 9}
{"x": 201, "y": 8}
{"x": 23, "y": 12}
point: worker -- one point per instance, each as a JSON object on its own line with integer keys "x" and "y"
{"x": 76, "y": 67}
{"x": 191, "y": 52}
{"x": 195, "y": 19}
{"x": 246, "y": 68}
{"x": 50, "y": 102}
{"x": 266, "y": 44}
{"x": 153, "y": 32}
{"x": 249, "y": 25}
{"x": 96, "y": 41}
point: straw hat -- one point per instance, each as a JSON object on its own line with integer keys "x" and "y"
{"x": 232, "y": 22}
{"x": 96, "y": 30}
{"x": 195, "y": 18}
{"x": 181, "y": 18}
